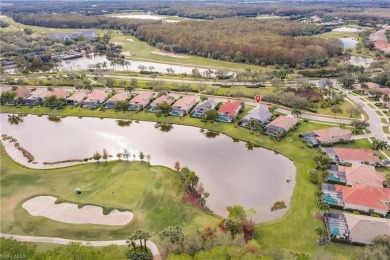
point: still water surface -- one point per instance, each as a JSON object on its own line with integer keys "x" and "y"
{"x": 230, "y": 172}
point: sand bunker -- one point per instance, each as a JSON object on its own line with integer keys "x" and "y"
{"x": 130, "y": 40}
{"x": 69, "y": 213}
{"x": 170, "y": 55}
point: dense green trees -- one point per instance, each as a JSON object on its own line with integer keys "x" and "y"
{"x": 243, "y": 40}
{"x": 80, "y": 21}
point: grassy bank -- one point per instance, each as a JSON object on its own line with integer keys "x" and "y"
{"x": 295, "y": 230}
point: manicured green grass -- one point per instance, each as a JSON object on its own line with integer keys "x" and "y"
{"x": 148, "y": 191}
{"x": 384, "y": 121}
{"x": 334, "y": 35}
{"x": 379, "y": 113}
{"x": 386, "y": 129}
{"x": 360, "y": 144}
{"x": 295, "y": 230}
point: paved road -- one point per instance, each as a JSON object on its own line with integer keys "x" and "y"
{"x": 63, "y": 241}
{"x": 374, "y": 119}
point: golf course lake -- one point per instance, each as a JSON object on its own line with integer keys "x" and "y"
{"x": 229, "y": 170}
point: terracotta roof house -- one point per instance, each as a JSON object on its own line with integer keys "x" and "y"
{"x": 363, "y": 229}
{"x": 60, "y": 93}
{"x": 326, "y": 136}
{"x": 370, "y": 85}
{"x": 94, "y": 98}
{"x": 36, "y": 97}
{"x": 203, "y": 107}
{"x": 22, "y": 92}
{"x": 121, "y": 96}
{"x": 280, "y": 125}
{"x": 363, "y": 174}
{"x": 183, "y": 106}
{"x": 76, "y": 98}
{"x": 163, "y": 99}
{"x": 260, "y": 114}
{"x": 141, "y": 101}
{"x": 228, "y": 111}
{"x": 365, "y": 198}
{"x": 350, "y": 155}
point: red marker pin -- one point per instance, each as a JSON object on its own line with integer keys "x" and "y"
{"x": 258, "y": 98}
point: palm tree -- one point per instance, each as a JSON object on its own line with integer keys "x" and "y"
{"x": 97, "y": 156}
{"x": 126, "y": 154}
{"x": 321, "y": 232}
{"x": 134, "y": 156}
{"x": 105, "y": 154}
{"x": 119, "y": 155}
{"x": 113, "y": 63}
{"x": 104, "y": 65}
{"x": 252, "y": 125}
{"x": 148, "y": 157}
{"x": 296, "y": 112}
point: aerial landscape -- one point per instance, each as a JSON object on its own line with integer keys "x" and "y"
{"x": 194, "y": 129}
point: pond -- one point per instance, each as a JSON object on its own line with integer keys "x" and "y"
{"x": 360, "y": 61}
{"x": 349, "y": 43}
{"x": 347, "y": 29}
{"x": 83, "y": 63}
{"x": 231, "y": 173}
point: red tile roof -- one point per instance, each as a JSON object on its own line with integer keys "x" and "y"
{"x": 285, "y": 122}
{"x": 142, "y": 99}
{"x": 22, "y": 92}
{"x": 78, "y": 96}
{"x": 60, "y": 93}
{"x": 364, "y": 174}
{"x": 97, "y": 94}
{"x": 363, "y": 155}
{"x": 121, "y": 96}
{"x": 162, "y": 99}
{"x": 230, "y": 108}
{"x": 367, "y": 196}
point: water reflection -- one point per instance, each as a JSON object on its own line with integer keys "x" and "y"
{"x": 124, "y": 123}
{"x": 55, "y": 119}
{"x": 164, "y": 127}
{"x": 15, "y": 119}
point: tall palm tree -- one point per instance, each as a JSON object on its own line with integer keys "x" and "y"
{"x": 104, "y": 65}
{"x": 296, "y": 112}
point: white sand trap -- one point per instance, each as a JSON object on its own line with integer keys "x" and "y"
{"x": 130, "y": 40}
{"x": 170, "y": 55}
{"x": 44, "y": 206}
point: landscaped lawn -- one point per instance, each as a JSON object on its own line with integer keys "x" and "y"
{"x": 386, "y": 129}
{"x": 149, "y": 192}
{"x": 295, "y": 230}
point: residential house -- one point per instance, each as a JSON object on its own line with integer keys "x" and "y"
{"x": 357, "y": 173}
{"x": 60, "y": 93}
{"x": 121, "y": 96}
{"x": 76, "y": 98}
{"x": 22, "y": 92}
{"x": 358, "y": 197}
{"x": 183, "y": 106}
{"x": 36, "y": 97}
{"x": 351, "y": 155}
{"x": 280, "y": 126}
{"x": 94, "y": 98}
{"x": 163, "y": 99}
{"x": 355, "y": 228}
{"x": 363, "y": 229}
{"x": 260, "y": 114}
{"x": 203, "y": 107}
{"x": 141, "y": 101}
{"x": 327, "y": 136}
{"x": 89, "y": 35}
{"x": 228, "y": 111}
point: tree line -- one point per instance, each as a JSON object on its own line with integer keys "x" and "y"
{"x": 80, "y": 21}
{"x": 260, "y": 42}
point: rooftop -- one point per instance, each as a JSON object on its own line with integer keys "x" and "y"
{"x": 261, "y": 113}
{"x": 185, "y": 103}
{"x": 364, "y": 174}
{"x": 121, "y": 96}
{"x": 142, "y": 99}
{"x": 60, "y": 93}
{"x": 162, "y": 99}
{"x": 328, "y": 134}
{"x": 285, "y": 122}
{"x": 364, "y": 228}
{"x": 230, "y": 108}
{"x": 22, "y": 92}
{"x": 367, "y": 196}
{"x": 96, "y": 95}
{"x": 350, "y": 154}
